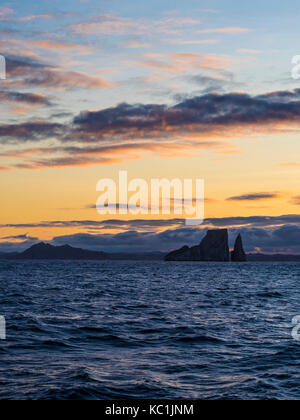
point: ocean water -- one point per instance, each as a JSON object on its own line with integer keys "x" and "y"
{"x": 124, "y": 330}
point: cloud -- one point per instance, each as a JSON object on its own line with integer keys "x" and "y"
{"x": 226, "y": 30}
{"x": 25, "y": 19}
{"x": 33, "y": 99}
{"x": 8, "y": 15}
{"x": 25, "y": 72}
{"x": 193, "y": 41}
{"x": 290, "y": 165}
{"x": 253, "y": 221}
{"x": 255, "y": 197}
{"x": 135, "y": 43}
{"x": 203, "y": 116}
{"x": 21, "y": 66}
{"x": 19, "y": 238}
{"x": 64, "y": 156}
{"x": 29, "y": 131}
{"x": 63, "y": 79}
{"x": 130, "y": 241}
{"x": 5, "y": 11}
{"x": 137, "y": 224}
{"x": 283, "y": 239}
{"x": 128, "y": 131}
{"x": 183, "y": 61}
{"x": 17, "y": 243}
{"x": 248, "y": 51}
{"x": 225, "y": 82}
{"x": 296, "y": 200}
{"x": 116, "y": 25}
{"x": 159, "y": 224}
{"x": 33, "y": 47}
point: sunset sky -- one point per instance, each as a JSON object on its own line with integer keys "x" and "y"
{"x": 194, "y": 89}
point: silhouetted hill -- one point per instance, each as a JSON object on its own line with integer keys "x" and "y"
{"x": 44, "y": 251}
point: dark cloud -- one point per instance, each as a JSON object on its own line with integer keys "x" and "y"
{"x": 24, "y": 98}
{"x": 254, "y": 197}
{"x": 23, "y": 237}
{"x": 21, "y": 66}
{"x": 26, "y": 72}
{"x": 29, "y": 131}
{"x": 17, "y": 243}
{"x": 127, "y": 131}
{"x": 155, "y": 224}
{"x": 62, "y": 114}
{"x": 203, "y": 114}
{"x": 260, "y": 234}
{"x": 62, "y": 79}
{"x": 132, "y": 241}
{"x": 263, "y": 221}
{"x": 223, "y": 83}
{"x": 102, "y": 224}
{"x": 284, "y": 239}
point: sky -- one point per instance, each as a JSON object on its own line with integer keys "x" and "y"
{"x": 161, "y": 89}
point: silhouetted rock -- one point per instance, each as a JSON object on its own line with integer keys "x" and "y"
{"x": 238, "y": 254}
{"x": 182, "y": 254}
{"x": 214, "y": 247}
{"x": 44, "y": 251}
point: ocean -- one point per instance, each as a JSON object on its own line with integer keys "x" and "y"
{"x": 149, "y": 330}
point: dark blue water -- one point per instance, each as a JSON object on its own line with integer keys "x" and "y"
{"x": 118, "y": 330}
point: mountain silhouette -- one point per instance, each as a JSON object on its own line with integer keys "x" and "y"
{"x": 44, "y": 251}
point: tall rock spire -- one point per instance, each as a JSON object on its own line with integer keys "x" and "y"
{"x": 238, "y": 254}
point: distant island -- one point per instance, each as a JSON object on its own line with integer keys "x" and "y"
{"x": 44, "y": 251}
{"x": 214, "y": 247}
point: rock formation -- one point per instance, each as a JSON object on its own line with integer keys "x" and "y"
{"x": 214, "y": 247}
{"x": 238, "y": 254}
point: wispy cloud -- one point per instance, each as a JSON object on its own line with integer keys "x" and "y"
{"x": 248, "y": 51}
{"x": 116, "y": 25}
{"x": 28, "y": 73}
{"x": 135, "y": 43}
{"x": 193, "y": 41}
{"x": 32, "y": 99}
{"x": 296, "y": 200}
{"x": 182, "y": 61}
{"x": 160, "y": 224}
{"x": 290, "y": 165}
{"x": 225, "y": 30}
{"x": 255, "y": 197}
